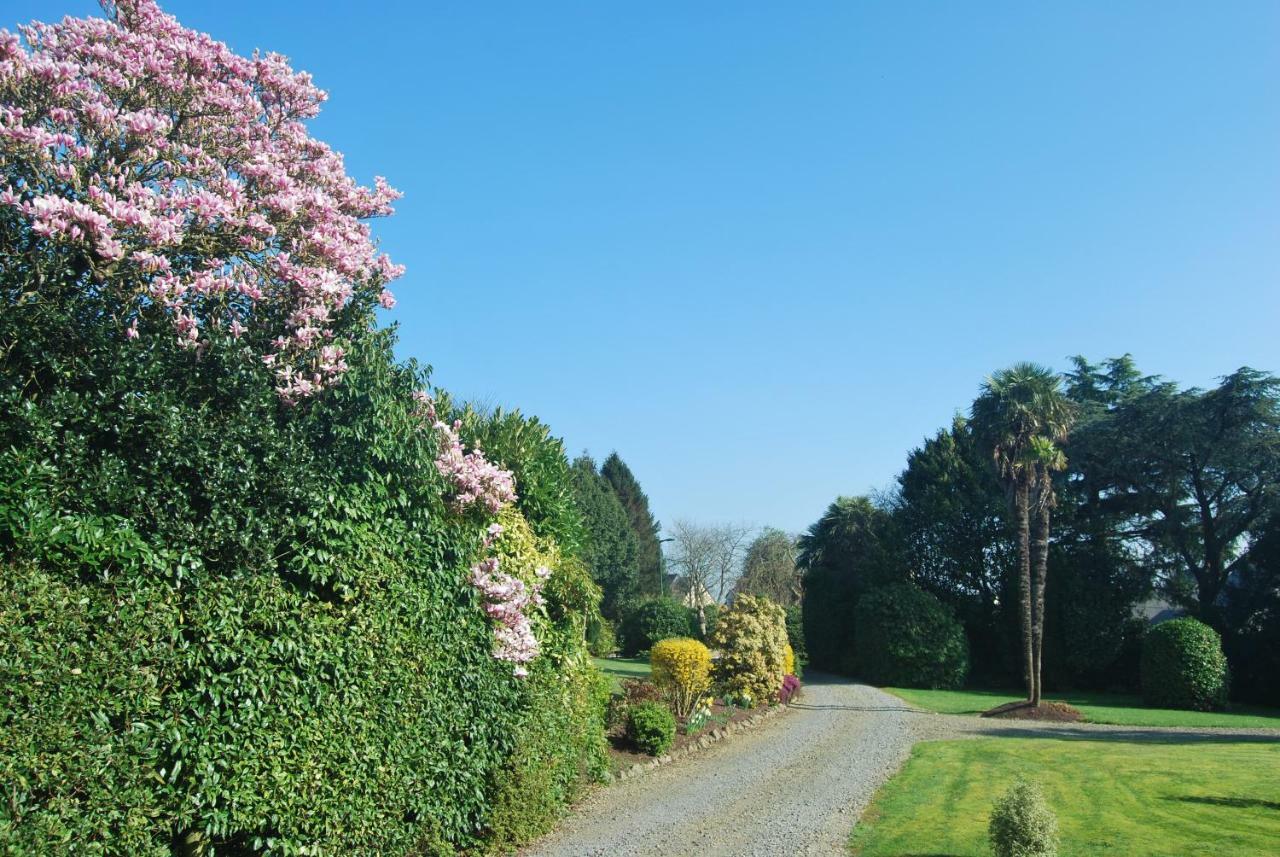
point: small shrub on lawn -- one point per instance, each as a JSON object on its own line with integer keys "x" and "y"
{"x": 1183, "y": 666}
{"x": 1022, "y": 825}
{"x": 682, "y": 669}
{"x": 790, "y": 687}
{"x": 752, "y": 639}
{"x": 651, "y": 727}
{"x": 651, "y": 621}
{"x": 904, "y": 636}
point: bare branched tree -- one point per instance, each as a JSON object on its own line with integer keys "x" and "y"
{"x": 707, "y": 559}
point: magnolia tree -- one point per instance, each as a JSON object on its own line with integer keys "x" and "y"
{"x": 178, "y": 180}
{"x": 151, "y": 171}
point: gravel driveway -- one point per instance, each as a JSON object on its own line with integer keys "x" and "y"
{"x": 794, "y": 784}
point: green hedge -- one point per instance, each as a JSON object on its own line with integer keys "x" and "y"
{"x": 906, "y": 637}
{"x": 647, "y": 622}
{"x": 1183, "y": 666}
{"x": 233, "y": 627}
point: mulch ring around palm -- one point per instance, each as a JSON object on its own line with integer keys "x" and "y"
{"x": 1056, "y": 712}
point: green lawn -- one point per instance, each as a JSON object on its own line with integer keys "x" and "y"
{"x": 1096, "y": 708}
{"x": 1113, "y": 797}
{"x": 621, "y": 668}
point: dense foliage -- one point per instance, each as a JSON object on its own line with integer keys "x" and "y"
{"x": 1022, "y": 824}
{"x": 1169, "y": 502}
{"x": 258, "y": 594}
{"x": 651, "y": 727}
{"x": 795, "y": 636}
{"x": 769, "y": 568}
{"x": 682, "y": 668}
{"x": 908, "y": 638}
{"x": 752, "y": 639}
{"x": 849, "y": 551}
{"x": 649, "y": 621}
{"x": 610, "y": 547}
{"x": 649, "y": 567}
{"x": 1183, "y": 666}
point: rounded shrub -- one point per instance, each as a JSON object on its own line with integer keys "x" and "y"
{"x": 752, "y": 639}
{"x": 682, "y": 668}
{"x": 601, "y": 639}
{"x": 652, "y": 621}
{"x": 905, "y": 637}
{"x": 651, "y": 727}
{"x": 1183, "y": 666}
{"x": 1022, "y": 825}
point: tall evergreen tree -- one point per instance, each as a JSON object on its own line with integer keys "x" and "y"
{"x": 610, "y": 547}
{"x": 636, "y": 503}
{"x": 850, "y": 550}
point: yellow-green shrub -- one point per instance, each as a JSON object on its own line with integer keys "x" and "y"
{"x": 789, "y": 660}
{"x": 682, "y": 668}
{"x": 752, "y": 639}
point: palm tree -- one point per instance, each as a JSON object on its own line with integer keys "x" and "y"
{"x": 1047, "y": 459}
{"x": 1021, "y": 415}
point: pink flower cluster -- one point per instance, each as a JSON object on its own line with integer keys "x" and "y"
{"x": 473, "y": 479}
{"x": 506, "y": 600}
{"x": 183, "y": 176}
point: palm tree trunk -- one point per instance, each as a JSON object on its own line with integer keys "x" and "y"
{"x": 1021, "y": 504}
{"x": 1040, "y": 551}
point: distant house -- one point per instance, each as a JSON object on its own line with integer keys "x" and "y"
{"x": 696, "y": 595}
{"x": 1156, "y": 610}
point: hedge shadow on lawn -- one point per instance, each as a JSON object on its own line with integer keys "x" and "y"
{"x": 1237, "y": 802}
{"x": 1134, "y": 736}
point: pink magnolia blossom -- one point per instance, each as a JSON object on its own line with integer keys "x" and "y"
{"x": 184, "y": 176}
{"x": 507, "y": 600}
{"x": 474, "y": 481}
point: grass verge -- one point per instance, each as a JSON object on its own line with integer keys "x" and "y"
{"x": 620, "y": 668}
{"x": 1114, "y": 708}
{"x": 1189, "y": 795}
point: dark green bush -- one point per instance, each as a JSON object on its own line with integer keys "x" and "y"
{"x": 649, "y": 621}
{"x": 601, "y": 640}
{"x": 232, "y": 627}
{"x": 1183, "y": 666}
{"x": 795, "y": 636}
{"x": 651, "y": 727}
{"x": 906, "y": 637}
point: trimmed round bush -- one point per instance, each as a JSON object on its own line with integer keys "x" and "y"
{"x": 651, "y": 727}
{"x": 752, "y": 639}
{"x": 905, "y": 637}
{"x": 682, "y": 668}
{"x": 652, "y": 621}
{"x": 1183, "y": 666}
{"x": 1022, "y": 825}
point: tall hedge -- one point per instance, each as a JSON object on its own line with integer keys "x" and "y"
{"x": 1183, "y": 666}
{"x": 236, "y": 611}
{"x": 237, "y": 626}
{"x": 906, "y": 637}
{"x": 647, "y": 622}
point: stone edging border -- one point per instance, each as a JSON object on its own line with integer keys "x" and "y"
{"x": 702, "y": 743}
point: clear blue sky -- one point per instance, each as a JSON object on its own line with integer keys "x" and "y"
{"x": 763, "y": 249}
